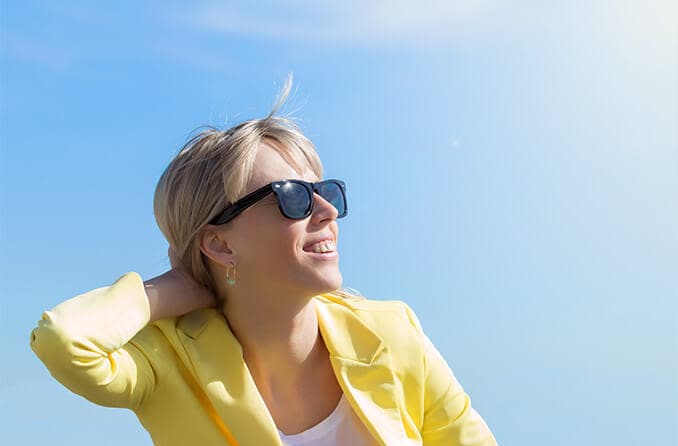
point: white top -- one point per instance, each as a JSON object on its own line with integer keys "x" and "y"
{"x": 341, "y": 427}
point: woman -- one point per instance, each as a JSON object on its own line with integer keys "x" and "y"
{"x": 248, "y": 338}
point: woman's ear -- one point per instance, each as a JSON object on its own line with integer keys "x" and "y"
{"x": 214, "y": 244}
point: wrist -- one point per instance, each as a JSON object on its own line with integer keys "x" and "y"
{"x": 175, "y": 293}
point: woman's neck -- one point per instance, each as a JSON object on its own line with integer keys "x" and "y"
{"x": 279, "y": 336}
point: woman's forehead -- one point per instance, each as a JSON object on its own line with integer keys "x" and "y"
{"x": 269, "y": 165}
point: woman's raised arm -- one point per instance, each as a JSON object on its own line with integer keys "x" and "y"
{"x": 176, "y": 292}
{"x": 100, "y": 344}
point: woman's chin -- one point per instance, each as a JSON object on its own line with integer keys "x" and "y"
{"x": 327, "y": 283}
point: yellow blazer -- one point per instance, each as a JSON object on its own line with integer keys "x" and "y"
{"x": 187, "y": 382}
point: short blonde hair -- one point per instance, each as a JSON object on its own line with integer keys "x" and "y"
{"x": 212, "y": 170}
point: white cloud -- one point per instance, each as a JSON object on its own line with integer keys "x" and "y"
{"x": 27, "y": 50}
{"x": 435, "y": 23}
{"x": 348, "y": 23}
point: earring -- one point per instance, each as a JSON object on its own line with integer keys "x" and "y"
{"x": 230, "y": 280}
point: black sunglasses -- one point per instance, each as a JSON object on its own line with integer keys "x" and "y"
{"x": 295, "y": 199}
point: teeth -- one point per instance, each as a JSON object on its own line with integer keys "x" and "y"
{"x": 325, "y": 246}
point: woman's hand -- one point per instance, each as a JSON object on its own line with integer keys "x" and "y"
{"x": 176, "y": 292}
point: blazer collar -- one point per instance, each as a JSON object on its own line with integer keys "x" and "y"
{"x": 360, "y": 360}
{"x": 363, "y": 366}
{"x": 345, "y": 334}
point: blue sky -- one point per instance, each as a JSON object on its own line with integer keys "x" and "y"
{"x": 512, "y": 172}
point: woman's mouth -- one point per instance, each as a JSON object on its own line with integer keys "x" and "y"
{"x": 325, "y": 250}
{"x": 321, "y": 247}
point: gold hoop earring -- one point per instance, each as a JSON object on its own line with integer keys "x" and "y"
{"x": 230, "y": 280}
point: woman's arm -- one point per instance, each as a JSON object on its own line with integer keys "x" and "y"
{"x": 176, "y": 292}
{"x": 96, "y": 345}
{"x": 449, "y": 418}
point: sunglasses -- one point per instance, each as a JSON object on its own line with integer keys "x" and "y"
{"x": 295, "y": 199}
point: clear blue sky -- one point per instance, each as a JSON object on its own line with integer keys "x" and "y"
{"x": 512, "y": 174}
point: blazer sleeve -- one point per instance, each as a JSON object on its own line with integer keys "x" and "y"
{"x": 449, "y": 418}
{"x": 86, "y": 344}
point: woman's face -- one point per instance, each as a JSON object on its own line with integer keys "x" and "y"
{"x": 269, "y": 247}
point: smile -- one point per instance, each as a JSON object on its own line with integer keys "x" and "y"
{"x": 321, "y": 247}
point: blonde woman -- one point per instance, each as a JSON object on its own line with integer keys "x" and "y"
{"x": 249, "y": 339}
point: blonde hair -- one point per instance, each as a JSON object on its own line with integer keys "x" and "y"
{"x": 212, "y": 170}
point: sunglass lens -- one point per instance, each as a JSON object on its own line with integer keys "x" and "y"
{"x": 332, "y": 192}
{"x": 295, "y": 200}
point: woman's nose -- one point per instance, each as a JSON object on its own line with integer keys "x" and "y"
{"x": 323, "y": 209}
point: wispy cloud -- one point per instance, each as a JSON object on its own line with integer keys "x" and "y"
{"x": 26, "y": 50}
{"x": 428, "y": 23}
{"x": 432, "y": 23}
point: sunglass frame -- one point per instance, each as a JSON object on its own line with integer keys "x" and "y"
{"x": 253, "y": 197}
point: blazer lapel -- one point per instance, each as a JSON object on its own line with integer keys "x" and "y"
{"x": 360, "y": 359}
{"x": 362, "y": 364}
{"x": 217, "y": 363}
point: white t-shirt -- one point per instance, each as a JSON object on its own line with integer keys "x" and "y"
{"x": 341, "y": 427}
